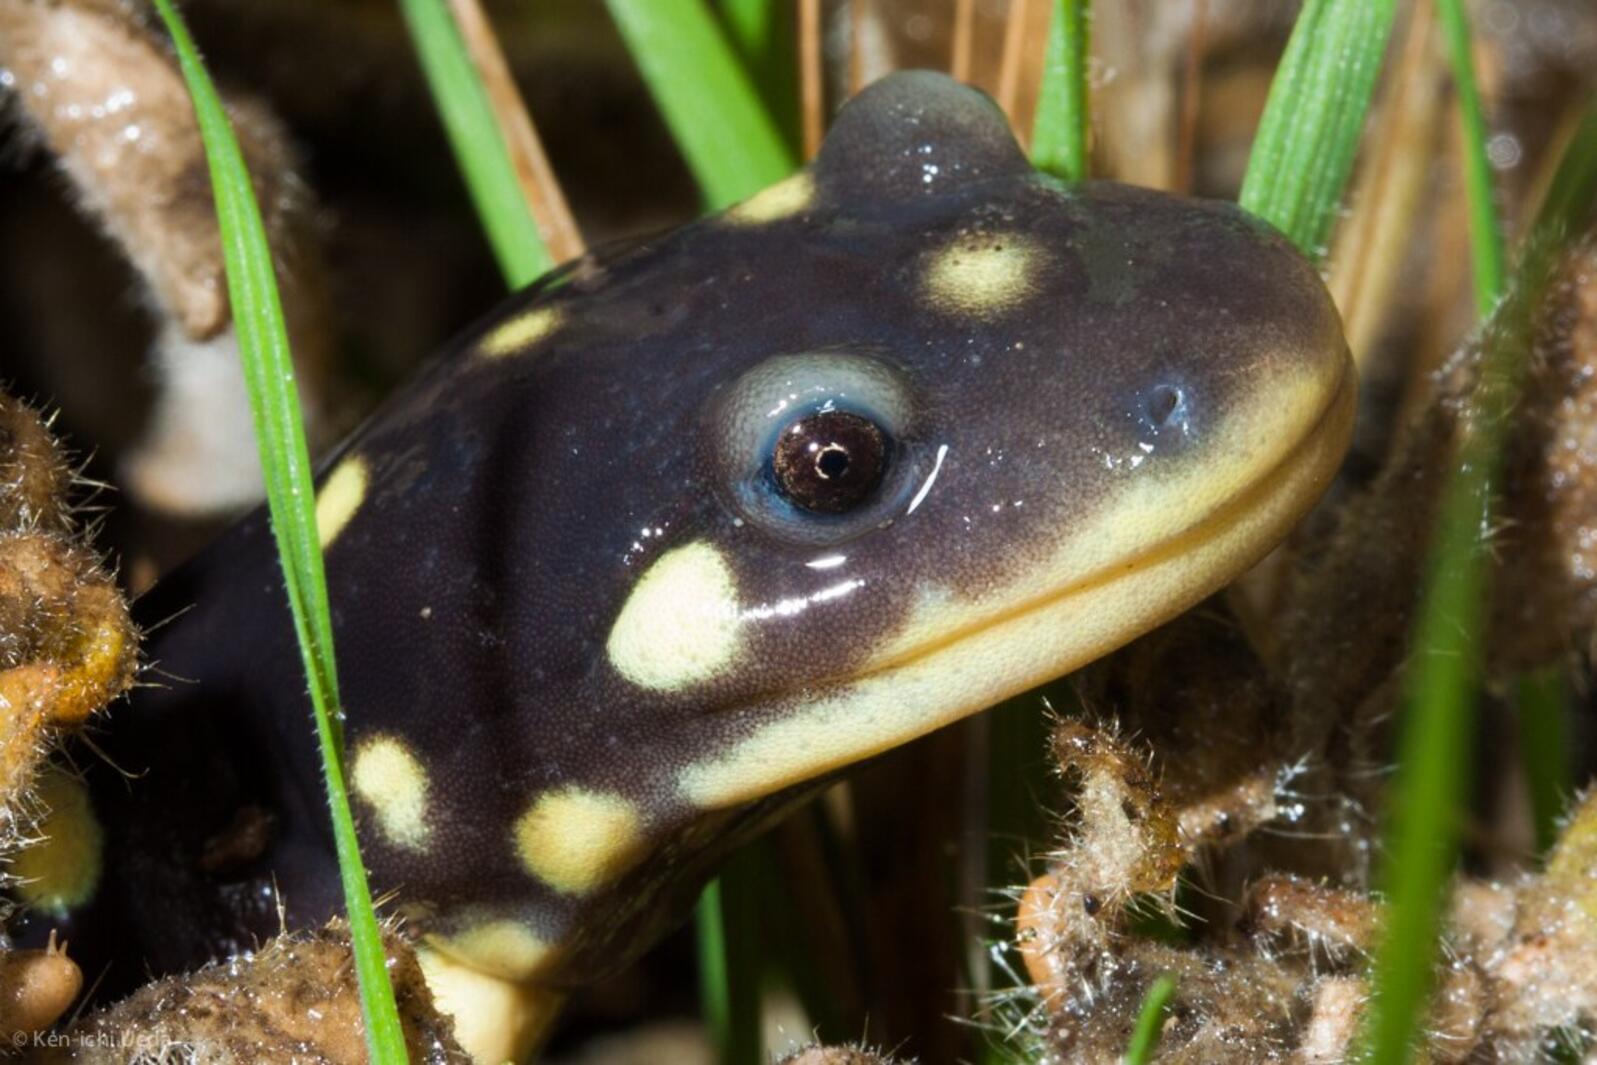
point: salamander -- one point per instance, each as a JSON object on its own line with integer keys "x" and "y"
{"x": 678, "y": 532}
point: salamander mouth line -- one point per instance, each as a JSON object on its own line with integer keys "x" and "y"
{"x": 1205, "y": 530}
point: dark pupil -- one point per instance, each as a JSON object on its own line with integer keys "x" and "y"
{"x": 829, "y": 462}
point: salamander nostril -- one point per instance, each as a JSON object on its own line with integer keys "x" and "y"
{"x": 1163, "y": 402}
{"x": 1162, "y": 416}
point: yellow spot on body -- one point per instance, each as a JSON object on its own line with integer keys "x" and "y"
{"x": 496, "y": 1020}
{"x": 680, "y": 624}
{"x": 501, "y": 948}
{"x": 394, "y": 784}
{"x": 783, "y": 200}
{"x": 575, "y": 840}
{"x": 982, "y": 275}
{"x": 520, "y": 333}
{"x": 62, "y": 869}
{"x": 341, "y": 497}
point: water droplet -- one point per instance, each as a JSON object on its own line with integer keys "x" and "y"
{"x": 1504, "y": 151}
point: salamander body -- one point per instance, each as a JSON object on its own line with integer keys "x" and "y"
{"x": 676, "y": 533}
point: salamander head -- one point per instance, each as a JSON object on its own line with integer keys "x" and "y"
{"x": 978, "y": 428}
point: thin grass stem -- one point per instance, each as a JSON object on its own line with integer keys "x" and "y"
{"x": 812, "y": 89}
{"x": 1541, "y": 700}
{"x": 540, "y": 189}
{"x": 1485, "y": 230}
{"x": 290, "y": 493}
{"x": 480, "y": 149}
{"x": 1145, "y": 1036}
{"x": 1440, "y": 689}
{"x": 729, "y": 961}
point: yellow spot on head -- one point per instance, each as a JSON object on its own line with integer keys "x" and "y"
{"x": 394, "y": 784}
{"x": 680, "y": 624}
{"x": 501, "y": 948}
{"x": 61, "y": 871}
{"x": 340, "y": 498}
{"x": 783, "y": 200}
{"x": 982, "y": 275}
{"x": 520, "y": 333}
{"x": 496, "y": 1020}
{"x": 575, "y": 840}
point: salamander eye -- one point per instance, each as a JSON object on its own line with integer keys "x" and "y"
{"x": 817, "y": 448}
{"x": 829, "y": 462}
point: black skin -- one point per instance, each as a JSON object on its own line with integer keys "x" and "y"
{"x": 474, "y": 588}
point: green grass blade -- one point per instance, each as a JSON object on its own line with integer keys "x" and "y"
{"x": 1539, "y": 697}
{"x": 1485, "y": 233}
{"x": 728, "y": 140}
{"x": 479, "y": 147}
{"x": 763, "y": 33}
{"x": 285, "y": 460}
{"x": 1569, "y": 199}
{"x": 1059, "y": 132}
{"x": 1440, "y": 689}
{"x": 1434, "y": 751}
{"x": 752, "y": 24}
{"x": 715, "y": 996}
{"x": 727, "y": 922}
{"x": 1541, "y": 703}
{"x": 1313, "y": 120}
{"x": 1145, "y": 1036}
